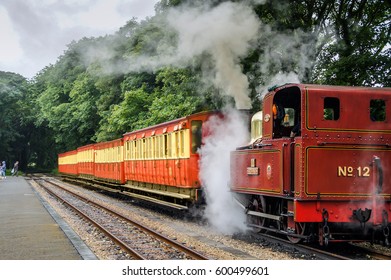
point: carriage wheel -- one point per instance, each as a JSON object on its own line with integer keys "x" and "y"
{"x": 299, "y": 229}
{"x": 257, "y": 204}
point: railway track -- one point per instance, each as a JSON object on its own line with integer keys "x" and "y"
{"x": 305, "y": 251}
{"x": 359, "y": 251}
{"x": 336, "y": 251}
{"x": 137, "y": 241}
{"x": 340, "y": 251}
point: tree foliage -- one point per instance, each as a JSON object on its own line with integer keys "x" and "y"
{"x": 359, "y": 52}
{"x": 16, "y": 121}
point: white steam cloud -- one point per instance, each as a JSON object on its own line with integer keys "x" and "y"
{"x": 228, "y": 133}
{"x": 225, "y": 33}
{"x": 291, "y": 55}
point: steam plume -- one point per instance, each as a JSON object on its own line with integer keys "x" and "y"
{"x": 225, "y": 33}
{"x": 227, "y": 134}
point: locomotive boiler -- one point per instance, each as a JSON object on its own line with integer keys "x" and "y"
{"x": 319, "y": 164}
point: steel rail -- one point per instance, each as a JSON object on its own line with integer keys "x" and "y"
{"x": 190, "y": 252}
{"x": 319, "y": 253}
{"x": 116, "y": 240}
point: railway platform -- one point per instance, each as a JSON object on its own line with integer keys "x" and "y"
{"x": 31, "y": 230}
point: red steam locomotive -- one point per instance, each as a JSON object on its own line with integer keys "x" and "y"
{"x": 319, "y": 164}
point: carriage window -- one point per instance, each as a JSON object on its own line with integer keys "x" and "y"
{"x": 177, "y": 144}
{"x": 331, "y": 108}
{"x": 165, "y": 145}
{"x": 182, "y": 143}
{"x": 134, "y": 150}
{"x": 377, "y": 110}
{"x": 157, "y": 147}
{"x": 196, "y": 131}
{"x": 169, "y": 145}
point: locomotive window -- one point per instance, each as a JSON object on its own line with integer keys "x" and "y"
{"x": 331, "y": 108}
{"x": 377, "y": 110}
{"x": 196, "y": 135}
{"x": 289, "y": 117}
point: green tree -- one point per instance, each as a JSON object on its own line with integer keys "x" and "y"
{"x": 359, "y": 53}
{"x": 16, "y": 122}
{"x": 177, "y": 94}
{"x": 67, "y": 97}
{"x": 125, "y": 116}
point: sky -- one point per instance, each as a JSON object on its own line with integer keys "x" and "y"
{"x": 34, "y": 33}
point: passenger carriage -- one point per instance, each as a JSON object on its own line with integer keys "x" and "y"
{"x": 161, "y": 162}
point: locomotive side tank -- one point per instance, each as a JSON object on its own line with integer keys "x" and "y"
{"x": 322, "y": 166}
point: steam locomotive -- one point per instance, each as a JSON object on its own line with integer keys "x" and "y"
{"x": 317, "y": 166}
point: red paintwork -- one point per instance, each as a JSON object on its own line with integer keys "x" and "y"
{"x": 318, "y": 158}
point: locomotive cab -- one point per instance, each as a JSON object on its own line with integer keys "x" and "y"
{"x": 282, "y": 113}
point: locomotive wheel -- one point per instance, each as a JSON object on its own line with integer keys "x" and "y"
{"x": 299, "y": 229}
{"x": 258, "y": 204}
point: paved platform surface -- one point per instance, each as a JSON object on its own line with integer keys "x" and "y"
{"x": 31, "y": 230}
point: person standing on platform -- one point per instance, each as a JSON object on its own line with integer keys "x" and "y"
{"x": 3, "y": 168}
{"x": 15, "y": 169}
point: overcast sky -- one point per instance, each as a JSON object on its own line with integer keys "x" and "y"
{"x": 34, "y": 33}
